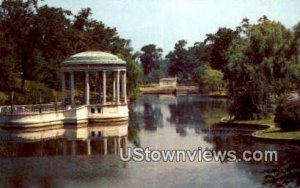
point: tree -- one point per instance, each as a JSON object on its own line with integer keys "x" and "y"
{"x": 134, "y": 77}
{"x": 211, "y": 79}
{"x": 18, "y": 21}
{"x": 34, "y": 40}
{"x": 181, "y": 62}
{"x": 55, "y": 32}
{"x": 259, "y": 66}
{"x": 150, "y": 58}
{"x": 219, "y": 43}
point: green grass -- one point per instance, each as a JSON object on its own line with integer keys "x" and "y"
{"x": 279, "y": 134}
{"x": 213, "y": 118}
{"x": 269, "y": 121}
{"x": 272, "y": 132}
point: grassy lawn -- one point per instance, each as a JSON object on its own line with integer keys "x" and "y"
{"x": 272, "y": 132}
{"x": 261, "y": 121}
{"x": 280, "y": 134}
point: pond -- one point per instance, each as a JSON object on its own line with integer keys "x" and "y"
{"x": 160, "y": 123}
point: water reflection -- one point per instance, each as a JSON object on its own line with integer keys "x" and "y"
{"x": 198, "y": 113}
{"x": 87, "y": 140}
{"x": 283, "y": 173}
{"x": 75, "y": 157}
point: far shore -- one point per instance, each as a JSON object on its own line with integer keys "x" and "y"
{"x": 154, "y": 89}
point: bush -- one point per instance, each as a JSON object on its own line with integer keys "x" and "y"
{"x": 3, "y": 98}
{"x": 32, "y": 94}
{"x": 287, "y": 115}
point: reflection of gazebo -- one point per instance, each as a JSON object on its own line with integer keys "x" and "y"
{"x": 101, "y": 64}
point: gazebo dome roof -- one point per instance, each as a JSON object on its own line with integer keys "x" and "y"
{"x": 93, "y": 57}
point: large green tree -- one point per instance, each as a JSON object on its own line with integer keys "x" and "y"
{"x": 261, "y": 65}
{"x": 150, "y": 58}
{"x": 182, "y": 62}
{"x": 218, "y": 44}
{"x": 18, "y": 21}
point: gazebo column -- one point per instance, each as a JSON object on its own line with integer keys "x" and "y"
{"x": 115, "y": 146}
{"x": 105, "y": 146}
{"x": 88, "y": 146}
{"x": 104, "y": 87}
{"x": 72, "y": 88}
{"x": 124, "y": 95}
{"x": 114, "y": 86}
{"x": 119, "y": 144}
{"x": 63, "y": 88}
{"x": 118, "y": 87}
{"x": 100, "y": 86}
{"x": 87, "y": 88}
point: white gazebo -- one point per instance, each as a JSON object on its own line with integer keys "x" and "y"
{"x": 106, "y": 69}
{"x": 108, "y": 75}
{"x": 101, "y": 63}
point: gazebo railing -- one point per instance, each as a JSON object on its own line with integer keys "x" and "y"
{"x": 37, "y": 108}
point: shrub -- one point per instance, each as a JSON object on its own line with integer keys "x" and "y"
{"x": 3, "y": 98}
{"x": 287, "y": 115}
{"x": 32, "y": 94}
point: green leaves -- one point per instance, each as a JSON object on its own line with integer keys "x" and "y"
{"x": 261, "y": 64}
{"x": 34, "y": 40}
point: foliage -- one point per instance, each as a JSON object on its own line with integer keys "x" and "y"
{"x": 288, "y": 115}
{"x": 219, "y": 44}
{"x": 181, "y": 62}
{"x": 134, "y": 77}
{"x": 259, "y": 65}
{"x": 34, "y": 40}
{"x": 150, "y": 58}
{"x": 34, "y": 93}
{"x": 211, "y": 79}
{"x": 3, "y": 98}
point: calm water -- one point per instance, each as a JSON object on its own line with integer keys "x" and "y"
{"x": 157, "y": 122}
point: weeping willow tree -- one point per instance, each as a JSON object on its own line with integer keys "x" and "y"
{"x": 262, "y": 64}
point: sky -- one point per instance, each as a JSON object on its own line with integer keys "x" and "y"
{"x": 164, "y": 22}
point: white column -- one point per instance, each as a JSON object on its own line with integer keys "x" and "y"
{"x": 72, "y": 88}
{"x": 114, "y": 86}
{"x": 124, "y": 87}
{"x": 87, "y": 88}
{"x": 119, "y": 144}
{"x": 100, "y": 85}
{"x": 104, "y": 87}
{"x": 118, "y": 87}
{"x": 63, "y": 87}
{"x": 115, "y": 146}
{"x": 88, "y": 146}
{"x": 105, "y": 146}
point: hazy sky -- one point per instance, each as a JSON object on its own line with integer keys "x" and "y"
{"x": 164, "y": 22}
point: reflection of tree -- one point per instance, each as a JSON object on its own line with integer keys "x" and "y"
{"x": 283, "y": 173}
{"x": 286, "y": 173}
{"x": 196, "y": 113}
{"x": 134, "y": 126}
{"x": 152, "y": 116}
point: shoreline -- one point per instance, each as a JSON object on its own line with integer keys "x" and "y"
{"x": 258, "y": 134}
{"x": 179, "y": 90}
